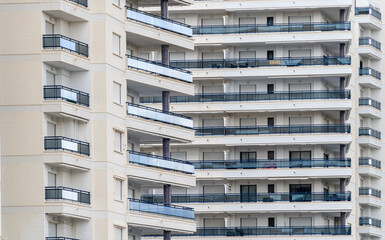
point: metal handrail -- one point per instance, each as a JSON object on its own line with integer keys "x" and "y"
{"x": 157, "y": 110}
{"x": 367, "y": 131}
{"x": 158, "y": 63}
{"x": 78, "y": 45}
{"x": 85, "y": 146}
{"x": 161, "y": 204}
{"x": 364, "y": 191}
{"x": 365, "y": 101}
{"x": 159, "y": 157}
{"x": 369, "y": 221}
{"x": 58, "y": 96}
{"x": 369, "y": 41}
{"x": 81, "y": 2}
{"x": 84, "y": 196}
{"x": 368, "y": 11}
{"x": 367, "y": 161}
{"x": 367, "y": 71}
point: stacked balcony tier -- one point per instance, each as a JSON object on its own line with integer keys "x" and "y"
{"x": 67, "y": 144}
{"x": 69, "y": 194}
{"x": 58, "y": 41}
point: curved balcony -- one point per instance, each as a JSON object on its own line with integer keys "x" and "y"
{"x": 370, "y": 72}
{"x": 276, "y": 28}
{"x": 67, "y": 144}
{"x": 370, "y": 102}
{"x": 366, "y": 161}
{"x": 270, "y": 231}
{"x": 158, "y": 22}
{"x": 366, "y": 131}
{"x": 258, "y": 96}
{"x": 69, "y": 194}
{"x": 367, "y": 191}
{"x": 54, "y": 92}
{"x": 261, "y": 62}
{"x": 84, "y": 3}
{"x": 160, "y": 162}
{"x": 276, "y": 163}
{"x": 54, "y": 41}
{"x": 158, "y": 68}
{"x": 159, "y": 115}
{"x": 283, "y": 129}
{"x": 368, "y": 11}
{"x": 258, "y": 197}
{"x": 368, "y": 41}
{"x": 159, "y": 208}
{"x": 369, "y": 221}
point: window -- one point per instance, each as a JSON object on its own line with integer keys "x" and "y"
{"x": 118, "y": 233}
{"x": 116, "y": 2}
{"x": 270, "y": 155}
{"x": 118, "y": 190}
{"x": 51, "y": 179}
{"x": 49, "y": 28}
{"x": 270, "y": 122}
{"x": 270, "y": 88}
{"x": 52, "y": 229}
{"x": 248, "y": 156}
{"x": 116, "y": 44}
{"x": 50, "y": 78}
{"x": 270, "y": 21}
{"x": 117, "y": 93}
{"x": 51, "y": 129}
{"x": 118, "y": 141}
{"x": 300, "y": 155}
{"x": 270, "y": 188}
{"x": 270, "y": 55}
{"x": 271, "y": 222}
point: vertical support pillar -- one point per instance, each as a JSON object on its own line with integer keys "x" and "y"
{"x": 342, "y": 83}
{"x": 342, "y": 15}
{"x": 342, "y": 49}
{"x": 164, "y": 8}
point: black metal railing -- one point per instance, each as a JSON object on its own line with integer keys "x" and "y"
{"x": 366, "y": 131}
{"x": 256, "y": 197}
{"x": 268, "y": 231}
{"x": 370, "y": 102}
{"x": 261, "y": 62}
{"x": 275, "y": 163}
{"x": 65, "y": 193}
{"x": 68, "y": 144}
{"x": 367, "y": 71}
{"x": 53, "y": 41}
{"x": 84, "y": 3}
{"x": 263, "y": 28}
{"x": 278, "y": 129}
{"x": 366, "y": 161}
{"x": 161, "y": 208}
{"x": 60, "y": 238}
{"x": 368, "y": 41}
{"x": 369, "y": 221}
{"x": 256, "y": 96}
{"x": 368, "y": 11}
{"x": 53, "y": 92}
{"x": 367, "y": 191}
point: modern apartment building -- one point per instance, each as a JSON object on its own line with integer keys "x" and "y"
{"x": 71, "y": 124}
{"x": 288, "y": 119}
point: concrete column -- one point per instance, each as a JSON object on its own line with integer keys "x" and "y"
{"x": 342, "y": 15}
{"x": 166, "y": 235}
{"x": 165, "y": 54}
{"x": 166, "y": 101}
{"x": 167, "y": 194}
{"x": 164, "y": 8}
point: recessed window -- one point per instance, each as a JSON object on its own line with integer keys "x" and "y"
{"x": 116, "y": 2}
{"x": 118, "y": 233}
{"x": 117, "y": 93}
{"x": 118, "y": 141}
{"x": 118, "y": 190}
{"x": 116, "y": 44}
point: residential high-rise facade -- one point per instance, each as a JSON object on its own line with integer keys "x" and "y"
{"x": 71, "y": 75}
{"x": 288, "y": 119}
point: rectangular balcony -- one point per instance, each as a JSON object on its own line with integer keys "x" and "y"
{"x": 369, "y": 221}
{"x": 159, "y": 68}
{"x": 159, "y": 115}
{"x": 163, "y": 209}
{"x": 160, "y": 162}
{"x": 258, "y": 96}
{"x": 368, "y": 11}
{"x": 67, "y": 144}
{"x": 366, "y": 161}
{"x": 367, "y": 41}
{"x": 276, "y": 163}
{"x": 283, "y": 129}
{"x": 158, "y": 22}
{"x": 58, "y": 41}
{"x": 370, "y": 72}
{"x": 70, "y": 194}
{"x": 257, "y": 197}
{"x": 84, "y": 3}
{"x": 370, "y": 102}
{"x": 276, "y": 28}
{"x": 261, "y": 62}
{"x": 365, "y": 131}
{"x": 54, "y": 92}
{"x": 366, "y": 191}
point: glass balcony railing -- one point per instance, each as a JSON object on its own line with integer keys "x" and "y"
{"x": 366, "y": 191}
{"x": 159, "y": 68}
{"x": 261, "y": 62}
{"x": 366, "y": 161}
{"x": 70, "y": 194}
{"x": 68, "y": 144}
{"x": 269, "y": 231}
{"x": 159, "y": 22}
{"x": 53, "y": 41}
{"x": 160, "y": 162}
{"x": 370, "y": 102}
{"x": 365, "y": 131}
{"x": 54, "y": 92}
{"x": 60, "y": 238}
{"x": 368, "y": 221}
{"x": 257, "y": 197}
{"x": 285, "y": 129}
{"x": 268, "y": 164}
{"x": 276, "y": 28}
{"x": 367, "y": 41}
{"x": 370, "y": 72}
{"x": 159, "y": 115}
{"x": 84, "y": 3}
{"x": 368, "y": 11}
{"x": 159, "y": 208}
{"x": 256, "y": 96}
